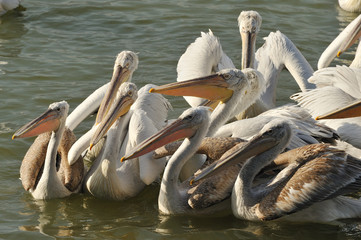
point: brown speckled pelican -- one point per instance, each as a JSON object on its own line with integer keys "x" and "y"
{"x": 56, "y": 179}
{"x": 310, "y": 188}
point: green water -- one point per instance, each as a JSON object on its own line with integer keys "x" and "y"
{"x": 64, "y": 50}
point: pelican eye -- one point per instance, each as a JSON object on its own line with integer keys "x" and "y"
{"x": 270, "y": 131}
{"x": 188, "y": 118}
{"x": 227, "y": 76}
{"x": 57, "y": 109}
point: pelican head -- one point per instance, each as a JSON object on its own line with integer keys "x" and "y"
{"x": 186, "y": 126}
{"x": 276, "y": 133}
{"x": 50, "y": 120}
{"x": 215, "y": 87}
{"x": 125, "y": 97}
{"x": 249, "y": 23}
{"x": 125, "y": 64}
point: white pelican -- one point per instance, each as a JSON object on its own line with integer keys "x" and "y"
{"x": 52, "y": 182}
{"x": 192, "y": 125}
{"x": 7, "y": 5}
{"x": 233, "y": 87}
{"x": 277, "y": 52}
{"x": 125, "y": 64}
{"x": 105, "y": 178}
{"x": 146, "y": 116}
{"x": 310, "y": 188}
{"x": 236, "y": 90}
{"x": 337, "y": 86}
{"x": 350, "y": 5}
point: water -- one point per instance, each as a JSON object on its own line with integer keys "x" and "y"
{"x": 64, "y": 50}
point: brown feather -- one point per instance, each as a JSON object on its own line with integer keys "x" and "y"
{"x": 30, "y": 170}
{"x": 213, "y": 147}
{"x": 216, "y": 188}
{"x": 33, "y": 161}
{"x": 322, "y": 167}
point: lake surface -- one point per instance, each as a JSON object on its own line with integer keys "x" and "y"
{"x": 64, "y": 50}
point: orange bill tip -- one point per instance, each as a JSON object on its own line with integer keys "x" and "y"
{"x": 191, "y": 182}
{"x": 122, "y": 159}
{"x": 338, "y": 53}
{"x": 151, "y": 90}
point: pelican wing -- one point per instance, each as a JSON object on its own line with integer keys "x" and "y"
{"x": 306, "y": 130}
{"x": 322, "y": 100}
{"x": 31, "y": 166}
{"x": 33, "y": 161}
{"x": 343, "y": 77}
{"x": 319, "y": 173}
{"x": 202, "y": 57}
{"x": 71, "y": 175}
{"x": 150, "y": 112}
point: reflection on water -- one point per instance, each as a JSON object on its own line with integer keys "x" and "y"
{"x": 138, "y": 218}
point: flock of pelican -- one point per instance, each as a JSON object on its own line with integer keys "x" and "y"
{"x": 233, "y": 149}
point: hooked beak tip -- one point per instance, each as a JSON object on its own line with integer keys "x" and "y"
{"x": 13, "y": 137}
{"x": 338, "y": 53}
{"x": 151, "y": 90}
{"x": 191, "y": 182}
{"x": 122, "y": 159}
{"x": 91, "y": 146}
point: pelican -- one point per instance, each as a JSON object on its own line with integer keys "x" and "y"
{"x": 310, "y": 188}
{"x": 350, "y": 5}
{"x": 236, "y": 90}
{"x": 125, "y": 64}
{"x": 7, "y": 5}
{"x": 52, "y": 182}
{"x": 337, "y": 87}
{"x": 192, "y": 125}
{"x": 105, "y": 178}
{"x": 146, "y": 116}
{"x": 110, "y": 179}
{"x": 278, "y": 52}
